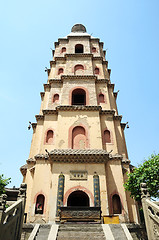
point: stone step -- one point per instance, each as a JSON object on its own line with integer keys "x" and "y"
{"x": 81, "y": 238}
{"x": 98, "y": 229}
{"x": 43, "y": 232}
{"x": 118, "y": 232}
{"x": 82, "y": 234}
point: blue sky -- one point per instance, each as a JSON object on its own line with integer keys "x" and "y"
{"x": 130, "y": 32}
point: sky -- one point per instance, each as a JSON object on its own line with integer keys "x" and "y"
{"x": 130, "y": 32}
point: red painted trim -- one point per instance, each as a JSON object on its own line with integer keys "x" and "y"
{"x": 53, "y": 97}
{"x": 62, "y": 49}
{"x": 59, "y": 69}
{"x": 98, "y": 69}
{"x": 45, "y": 201}
{"x": 111, "y": 204}
{"x": 78, "y": 188}
{"x": 70, "y": 134}
{"x": 79, "y": 87}
{"x": 46, "y": 136}
{"x": 98, "y": 97}
{"x": 111, "y": 136}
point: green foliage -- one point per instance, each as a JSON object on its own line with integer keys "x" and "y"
{"x": 3, "y": 182}
{"x": 147, "y": 172}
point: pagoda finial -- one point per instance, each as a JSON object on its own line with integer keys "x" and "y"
{"x": 78, "y": 28}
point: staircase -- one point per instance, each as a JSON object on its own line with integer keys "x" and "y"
{"x": 43, "y": 232}
{"x": 80, "y": 231}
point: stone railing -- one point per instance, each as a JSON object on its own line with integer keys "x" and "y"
{"x": 151, "y": 214}
{"x": 11, "y": 219}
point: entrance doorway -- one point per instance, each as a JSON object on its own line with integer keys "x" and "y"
{"x": 78, "y": 199}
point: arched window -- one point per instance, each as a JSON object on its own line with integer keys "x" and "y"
{"x": 78, "y": 69}
{"x": 39, "y": 208}
{"x": 79, "y": 48}
{"x": 60, "y": 71}
{"x": 107, "y": 138}
{"x": 55, "y": 97}
{"x": 49, "y": 137}
{"x": 63, "y": 50}
{"x": 78, "y": 138}
{"x": 78, "y": 97}
{"x": 96, "y": 70}
{"x": 101, "y": 98}
{"x": 93, "y": 49}
{"x": 116, "y": 203}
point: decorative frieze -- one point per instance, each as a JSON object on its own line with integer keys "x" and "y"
{"x": 78, "y": 108}
{"x": 74, "y": 77}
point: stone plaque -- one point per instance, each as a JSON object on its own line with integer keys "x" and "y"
{"x": 78, "y": 175}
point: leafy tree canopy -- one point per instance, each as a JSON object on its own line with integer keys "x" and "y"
{"x": 3, "y": 182}
{"x": 148, "y": 172}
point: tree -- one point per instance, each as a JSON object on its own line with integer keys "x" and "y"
{"x": 3, "y": 182}
{"x": 147, "y": 172}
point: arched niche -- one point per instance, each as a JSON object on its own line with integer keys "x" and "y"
{"x": 78, "y": 138}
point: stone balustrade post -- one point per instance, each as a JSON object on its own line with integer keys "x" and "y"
{"x": 3, "y": 198}
{"x": 22, "y": 196}
{"x": 145, "y": 195}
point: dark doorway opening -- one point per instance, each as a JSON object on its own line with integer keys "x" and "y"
{"x": 78, "y": 97}
{"x": 78, "y": 199}
{"x": 116, "y": 204}
{"x": 79, "y": 48}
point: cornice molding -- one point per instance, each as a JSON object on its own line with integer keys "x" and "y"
{"x": 106, "y": 112}
{"x": 123, "y": 125}
{"x": 23, "y": 169}
{"x": 111, "y": 85}
{"x": 78, "y": 108}
{"x": 34, "y": 125}
{"x": 118, "y": 117}
{"x": 79, "y": 156}
{"x": 98, "y": 58}
{"x": 46, "y": 86}
{"x": 49, "y": 112}
{"x": 30, "y": 161}
{"x": 54, "y": 80}
{"x": 102, "y": 80}
{"x": 78, "y": 55}
{"x": 39, "y": 117}
{"x": 115, "y": 94}
{"x": 125, "y": 160}
{"x": 42, "y": 94}
{"x": 93, "y": 77}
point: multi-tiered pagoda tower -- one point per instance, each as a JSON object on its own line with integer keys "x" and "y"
{"x": 78, "y": 153}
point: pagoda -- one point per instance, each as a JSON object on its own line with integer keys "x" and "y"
{"x": 78, "y": 160}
